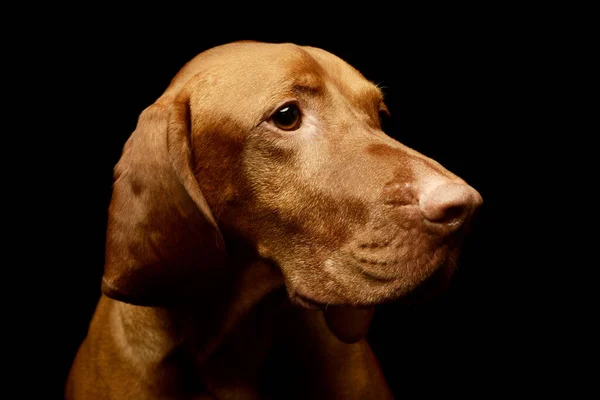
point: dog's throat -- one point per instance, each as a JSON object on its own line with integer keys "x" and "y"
{"x": 349, "y": 324}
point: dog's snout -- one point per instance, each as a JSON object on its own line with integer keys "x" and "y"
{"x": 449, "y": 205}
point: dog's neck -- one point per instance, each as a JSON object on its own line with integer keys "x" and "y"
{"x": 149, "y": 336}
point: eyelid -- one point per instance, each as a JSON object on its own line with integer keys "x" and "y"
{"x": 383, "y": 109}
{"x": 282, "y": 105}
{"x": 287, "y": 103}
{"x": 269, "y": 113}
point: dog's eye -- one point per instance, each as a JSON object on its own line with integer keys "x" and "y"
{"x": 384, "y": 116}
{"x": 287, "y": 117}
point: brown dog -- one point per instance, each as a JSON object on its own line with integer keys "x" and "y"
{"x": 261, "y": 181}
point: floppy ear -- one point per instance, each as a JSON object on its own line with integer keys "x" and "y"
{"x": 163, "y": 244}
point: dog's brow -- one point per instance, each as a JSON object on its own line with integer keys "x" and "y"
{"x": 373, "y": 93}
{"x": 307, "y": 83}
{"x": 307, "y": 89}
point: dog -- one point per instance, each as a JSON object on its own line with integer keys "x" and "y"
{"x": 259, "y": 208}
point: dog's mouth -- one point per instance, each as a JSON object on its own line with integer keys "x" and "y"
{"x": 348, "y": 323}
{"x": 346, "y": 286}
{"x": 351, "y": 322}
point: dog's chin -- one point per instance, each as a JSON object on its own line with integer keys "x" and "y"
{"x": 349, "y": 317}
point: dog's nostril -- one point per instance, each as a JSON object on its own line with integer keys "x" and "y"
{"x": 449, "y": 204}
{"x": 452, "y": 214}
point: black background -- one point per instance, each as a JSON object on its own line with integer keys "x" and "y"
{"x": 462, "y": 89}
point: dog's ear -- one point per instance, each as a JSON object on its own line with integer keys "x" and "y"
{"x": 163, "y": 244}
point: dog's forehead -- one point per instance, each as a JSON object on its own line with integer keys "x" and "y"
{"x": 281, "y": 65}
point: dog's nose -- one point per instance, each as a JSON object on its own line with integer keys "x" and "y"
{"x": 449, "y": 205}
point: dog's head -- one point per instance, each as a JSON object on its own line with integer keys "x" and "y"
{"x": 278, "y": 149}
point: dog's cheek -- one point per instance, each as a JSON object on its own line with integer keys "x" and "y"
{"x": 299, "y": 216}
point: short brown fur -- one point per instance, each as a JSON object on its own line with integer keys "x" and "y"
{"x": 229, "y": 237}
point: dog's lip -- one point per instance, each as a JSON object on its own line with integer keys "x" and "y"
{"x": 377, "y": 276}
{"x": 310, "y": 302}
{"x": 390, "y": 277}
{"x": 307, "y": 302}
